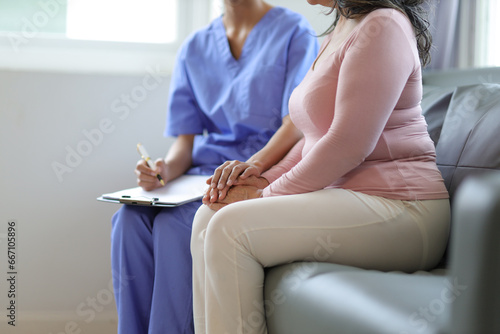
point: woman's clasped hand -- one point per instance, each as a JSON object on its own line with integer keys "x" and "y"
{"x": 234, "y": 181}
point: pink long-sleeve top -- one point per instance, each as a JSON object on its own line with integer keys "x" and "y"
{"x": 359, "y": 110}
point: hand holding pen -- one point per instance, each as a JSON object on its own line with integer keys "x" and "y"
{"x": 148, "y": 173}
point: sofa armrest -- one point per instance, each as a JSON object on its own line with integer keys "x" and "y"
{"x": 475, "y": 255}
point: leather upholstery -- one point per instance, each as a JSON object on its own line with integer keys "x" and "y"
{"x": 475, "y": 256}
{"x": 469, "y": 142}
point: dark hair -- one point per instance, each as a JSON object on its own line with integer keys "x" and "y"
{"x": 415, "y": 10}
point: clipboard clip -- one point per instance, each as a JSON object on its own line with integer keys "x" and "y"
{"x": 138, "y": 200}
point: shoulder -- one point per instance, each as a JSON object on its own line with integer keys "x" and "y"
{"x": 287, "y": 20}
{"x": 384, "y": 27}
{"x": 286, "y": 15}
{"x": 205, "y": 33}
{"x": 387, "y": 18}
{"x": 389, "y": 34}
{"x": 202, "y": 39}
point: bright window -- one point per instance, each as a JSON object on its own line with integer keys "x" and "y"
{"x": 216, "y": 8}
{"x": 145, "y": 21}
{"x": 488, "y": 33}
{"x": 106, "y": 36}
{"x": 30, "y": 17}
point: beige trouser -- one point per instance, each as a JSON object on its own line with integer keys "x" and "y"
{"x": 232, "y": 247}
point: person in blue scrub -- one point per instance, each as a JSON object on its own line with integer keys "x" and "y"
{"x": 228, "y": 101}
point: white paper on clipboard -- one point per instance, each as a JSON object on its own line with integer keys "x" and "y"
{"x": 184, "y": 189}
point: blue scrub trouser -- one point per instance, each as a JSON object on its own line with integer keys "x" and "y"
{"x": 152, "y": 269}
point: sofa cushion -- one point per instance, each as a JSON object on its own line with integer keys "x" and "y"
{"x": 469, "y": 142}
{"x": 321, "y": 298}
{"x": 435, "y": 103}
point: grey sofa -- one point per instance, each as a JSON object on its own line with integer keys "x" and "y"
{"x": 461, "y": 295}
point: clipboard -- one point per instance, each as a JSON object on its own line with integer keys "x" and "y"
{"x": 182, "y": 190}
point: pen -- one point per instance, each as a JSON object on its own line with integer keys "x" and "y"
{"x": 145, "y": 157}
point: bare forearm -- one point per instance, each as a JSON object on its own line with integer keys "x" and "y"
{"x": 277, "y": 147}
{"x": 179, "y": 157}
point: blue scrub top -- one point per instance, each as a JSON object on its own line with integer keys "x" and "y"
{"x": 235, "y": 106}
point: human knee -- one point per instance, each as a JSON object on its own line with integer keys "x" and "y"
{"x": 130, "y": 219}
{"x": 223, "y": 233}
{"x": 117, "y": 221}
{"x": 200, "y": 222}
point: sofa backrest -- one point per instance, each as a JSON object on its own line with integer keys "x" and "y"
{"x": 464, "y": 123}
{"x": 462, "y": 77}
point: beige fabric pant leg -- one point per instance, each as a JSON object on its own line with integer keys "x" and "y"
{"x": 232, "y": 247}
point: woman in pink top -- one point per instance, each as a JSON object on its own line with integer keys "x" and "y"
{"x": 363, "y": 178}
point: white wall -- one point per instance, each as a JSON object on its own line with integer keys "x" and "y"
{"x": 62, "y": 250}
{"x": 63, "y": 232}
